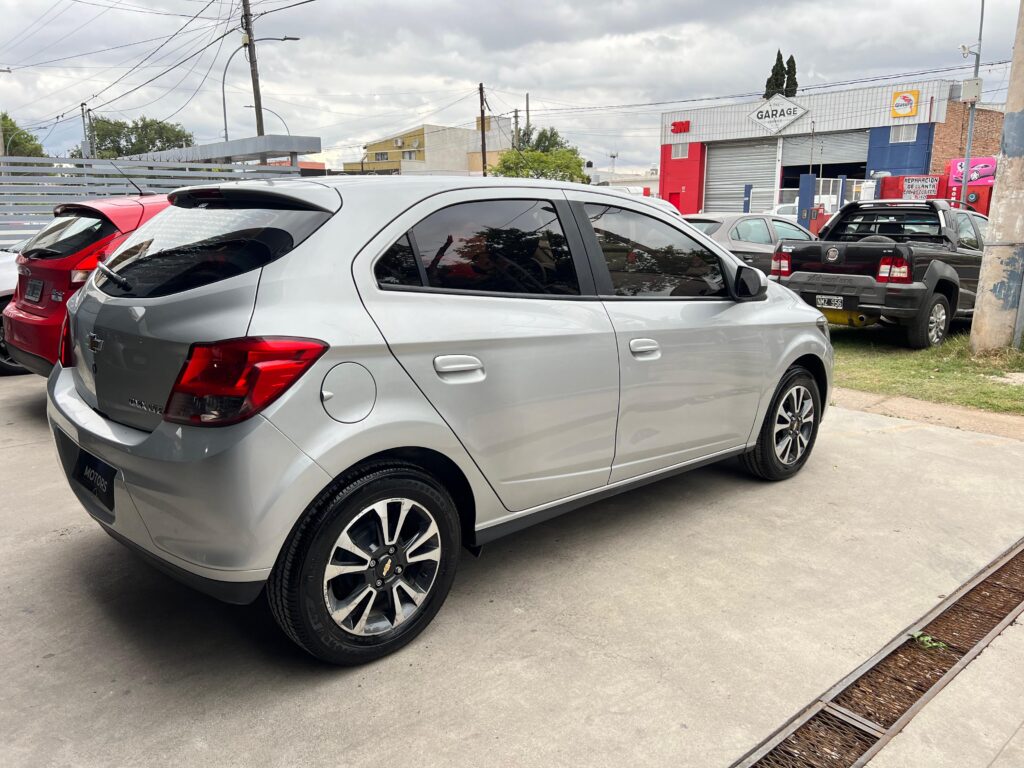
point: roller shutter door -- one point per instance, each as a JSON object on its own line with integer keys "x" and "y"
{"x": 731, "y": 165}
{"x": 846, "y": 147}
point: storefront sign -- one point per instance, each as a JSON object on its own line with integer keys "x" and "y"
{"x": 776, "y": 113}
{"x": 983, "y": 171}
{"x": 920, "y": 187}
{"x": 904, "y": 103}
{"x": 680, "y": 126}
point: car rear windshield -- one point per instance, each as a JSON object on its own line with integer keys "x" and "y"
{"x": 896, "y": 224}
{"x": 67, "y": 235}
{"x": 185, "y": 248}
{"x": 705, "y": 225}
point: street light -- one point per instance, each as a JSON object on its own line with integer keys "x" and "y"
{"x": 265, "y": 109}
{"x": 7, "y": 147}
{"x": 223, "y": 79}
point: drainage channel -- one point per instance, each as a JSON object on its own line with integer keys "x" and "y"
{"x": 850, "y": 723}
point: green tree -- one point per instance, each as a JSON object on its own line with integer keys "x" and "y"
{"x": 562, "y": 164}
{"x": 117, "y": 138}
{"x": 791, "y": 84}
{"x": 776, "y": 82}
{"x": 17, "y": 141}
{"x": 544, "y": 140}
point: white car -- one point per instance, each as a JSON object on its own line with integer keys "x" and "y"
{"x": 785, "y": 211}
{"x": 8, "y": 282}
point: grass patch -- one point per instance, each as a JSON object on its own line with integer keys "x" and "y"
{"x": 874, "y": 360}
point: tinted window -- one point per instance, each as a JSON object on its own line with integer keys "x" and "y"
{"x": 647, "y": 257}
{"x": 705, "y": 226}
{"x": 66, "y": 235}
{"x": 499, "y": 246}
{"x": 965, "y": 232}
{"x": 787, "y": 231}
{"x": 398, "y": 265}
{"x": 184, "y": 248}
{"x": 752, "y": 231}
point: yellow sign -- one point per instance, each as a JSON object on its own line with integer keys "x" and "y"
{"x": 904, "y": 103}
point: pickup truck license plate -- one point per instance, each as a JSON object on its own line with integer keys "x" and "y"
{"x": 828, "y": 302}
{"x": 34, "y": 290}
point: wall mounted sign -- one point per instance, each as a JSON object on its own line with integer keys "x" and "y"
{"x": 680, "y": 126}
{"x": 776, "y": 113}
{"x": 920, "y": 187}
{"x": 904, "y": 103}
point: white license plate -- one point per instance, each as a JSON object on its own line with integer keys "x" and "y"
{"x": 34, "y": 290}
{"x": 828, "y": 302}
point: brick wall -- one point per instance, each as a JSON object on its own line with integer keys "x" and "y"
{"x": 951, "y": 136}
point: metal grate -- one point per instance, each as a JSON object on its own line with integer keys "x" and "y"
{"x": 850, "y": 723}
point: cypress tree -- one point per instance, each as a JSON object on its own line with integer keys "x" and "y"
{"x": 791, "y": 84}
{"x": 776, "y": 82}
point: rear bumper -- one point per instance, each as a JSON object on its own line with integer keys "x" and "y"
{"x": 213, "y": 505}
{"x": 861, "y": 293}
{"x": 28, "y": 361}
{"x": 35, "y": 335}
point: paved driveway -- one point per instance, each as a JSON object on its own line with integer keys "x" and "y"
{"x": 677, "y": 625}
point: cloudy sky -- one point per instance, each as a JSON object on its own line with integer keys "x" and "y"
{"x": 368, "y": 68}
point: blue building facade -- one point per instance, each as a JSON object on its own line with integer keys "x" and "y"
{"x": 904, "y": 150}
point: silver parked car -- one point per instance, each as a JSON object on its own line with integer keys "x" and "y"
{"x": 325, "y": 389}
{"x": 8, "y": 285}
{"x": 753, "y": 237}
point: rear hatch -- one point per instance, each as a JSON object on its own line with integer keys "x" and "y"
{"x": 188, "y": 275}
{"x": 840, "y": 258}
{"x": 70, "y": 243}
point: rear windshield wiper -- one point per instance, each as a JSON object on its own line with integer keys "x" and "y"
{"x": 31, "y": 253}
{"x": 115, "y": 278}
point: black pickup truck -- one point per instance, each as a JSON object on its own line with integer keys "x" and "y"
{"x": 912, "y": 263}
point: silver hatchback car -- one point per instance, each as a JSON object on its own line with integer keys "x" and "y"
{"x": 325, "y": 389}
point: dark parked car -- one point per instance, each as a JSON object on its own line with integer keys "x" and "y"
{"x": 912, "y": 263}
{"x": 753, "y": 237}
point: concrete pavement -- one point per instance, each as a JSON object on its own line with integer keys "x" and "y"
{"x": 676, "y": 625}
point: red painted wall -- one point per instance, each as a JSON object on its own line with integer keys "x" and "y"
{"x": 682, "y": 180}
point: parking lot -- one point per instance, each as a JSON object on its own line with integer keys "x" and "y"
{"x": 682, "y": 622}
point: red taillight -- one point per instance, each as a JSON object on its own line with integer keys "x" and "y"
{"x": 225, "y": 382}
{"x": 781, "y": 264}
{"x": 894, "y": 269}
{"x": 66, "y": 354}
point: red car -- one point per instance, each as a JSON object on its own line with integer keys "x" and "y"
{"x": 57, "y": 262}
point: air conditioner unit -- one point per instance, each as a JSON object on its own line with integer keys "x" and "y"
{"x": 399, "y": 142}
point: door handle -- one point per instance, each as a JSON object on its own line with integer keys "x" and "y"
{"x": 645, "y": 349}
{"x": 459, "y": 368}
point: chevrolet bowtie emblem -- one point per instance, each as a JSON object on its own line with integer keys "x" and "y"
{"x": 95, "y": 343}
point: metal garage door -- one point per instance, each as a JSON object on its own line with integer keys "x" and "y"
{"x": 732, "y": 164}
{"x": 846, "y": 147}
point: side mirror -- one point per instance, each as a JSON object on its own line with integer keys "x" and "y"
{"x": 750, "y": 285}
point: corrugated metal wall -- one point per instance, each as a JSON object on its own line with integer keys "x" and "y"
{"x": 846, "y": 147}
{"x": 30, "y": 187}
{"x": 733, "y": 164}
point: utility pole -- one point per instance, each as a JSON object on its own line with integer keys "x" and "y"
{"x": 965, "y": 180}
{"x": 3, "y": 151}
{"x": 250, "y": 42}
{"x": 483, "y": 133}
{"x": 92, "y": 131}
{"x": 527, "y": 114}
{"x": 515, "y": 128}
{"x": 998, "y": 311}
{"x": 86, "y": 144}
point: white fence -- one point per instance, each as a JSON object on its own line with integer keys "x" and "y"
{"x": 30, "y": 187}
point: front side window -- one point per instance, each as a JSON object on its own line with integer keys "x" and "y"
{"x": 184, "y": 248}
{"x": 752, "y": 231}
{"x": 497, "y": 246}
{"x": 965, "y": 232}
{"x": 68, "y": 234}
{"x": 648, "y": 258}
{"x": 787, "y": 231}
{"x": 981, "y": 224}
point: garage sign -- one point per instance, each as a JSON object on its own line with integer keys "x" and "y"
{"x": 776, "y": 113}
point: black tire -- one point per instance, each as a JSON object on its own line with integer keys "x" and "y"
{"x": 763, "y": 461}
{"x": 8, "y": 365}
{"x": 296, "y": 588}
{"x": 920, "y": 332}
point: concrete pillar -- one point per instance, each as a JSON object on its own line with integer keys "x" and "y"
{"x": 998, "y": 319}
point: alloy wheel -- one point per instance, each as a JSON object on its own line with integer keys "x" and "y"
{"x": 382, "y": 567}
{"x": 937, "y": 324}
{"x": 794, "y": 423}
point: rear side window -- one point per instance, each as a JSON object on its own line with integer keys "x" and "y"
{"x": 787, "y": 231}
{"x": 184, "y": 248}
{"x": 647, "y": 257}
{"x": 705, "y": 226}
{"x": 68, "y": 234}
{"x": 497, "y": 246}
{"x": 752, "y": 231}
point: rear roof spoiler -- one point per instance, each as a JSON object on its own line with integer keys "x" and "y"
{"x": 290, "y": 193}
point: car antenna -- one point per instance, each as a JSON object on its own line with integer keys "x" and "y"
{"x": 128, "y": 178}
